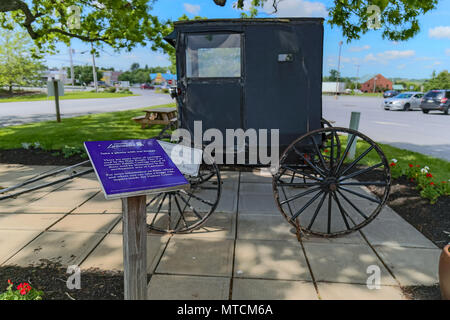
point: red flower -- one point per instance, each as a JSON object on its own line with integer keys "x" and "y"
{"x": 418, "y": 166}
{"x": 410, "y": 165}
{"x": 24, "y": 288}
{"x": 444, "y": 182}
{"x": 9, "y": 282}
{"x": 392, "y": 164}
{"x": 326, "y": 150}
{"x": 429, "y": 175}
{"x": 412, "y": 179}
{"x": 431, "y": 183}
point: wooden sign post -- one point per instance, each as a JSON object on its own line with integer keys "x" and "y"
{"x": 135, "y": 247}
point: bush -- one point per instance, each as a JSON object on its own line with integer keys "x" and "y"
{"x": 111, "y": 89}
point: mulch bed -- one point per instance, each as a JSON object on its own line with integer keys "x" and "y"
{"x": 37, "y": 157}
{"x": 51, "y": 279}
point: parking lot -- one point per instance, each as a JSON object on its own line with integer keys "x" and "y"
{"x": 413, "y": 130}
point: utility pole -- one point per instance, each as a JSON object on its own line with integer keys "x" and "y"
{"x": 94, "y": 69}
{"x": 339, "y": 69}
{"x": 357, "y": 75}
{"x": 375, "y": 84}
{"x": 72, "y": 75}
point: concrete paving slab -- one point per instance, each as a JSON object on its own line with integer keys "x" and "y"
{"x": 206, "y": 257}
{"x": 13, "y": 174}
{"x": 260, "y": 176}
{"x": 397, "y": 233}
{"x": 172, "y": 287}
{"x": 265, "y": 227}
{"x": 108, "y": 255}
{"x": 88, "y": 181}
{"x": 219, "y": 226}
{"x": 11, "y": 241}
{"x": 347, "y": 291}
{"x": 270, "y": 260}
{"x": 256, "y": 188}
{"x": 20, "y": 203}
{"x": 30, "y": 221}
{"x": 69, "y": 199}
{"x": 256, "y": 289}
{"x": 257, "y": 204}
{"x": 66, "y": 248}
{"x": 411, "y": 266}
{"x": 101, "y": 223}
{"x": 348, "y": 263}
{"x": 98, "y": 204}
{"x": 352, "y": 238}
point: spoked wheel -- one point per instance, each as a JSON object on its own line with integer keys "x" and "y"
{"x": 186, "y": 210}
{"x": 321, "y": 191}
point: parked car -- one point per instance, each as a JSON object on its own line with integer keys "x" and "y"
{"x": 436, "y": 100}
{"x": 404, "y": 101}
{"x": 147, "y": 86}
{"x": 390, "y": 93}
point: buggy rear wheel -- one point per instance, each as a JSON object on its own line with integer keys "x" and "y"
{"x": 321, "y": 191}
{"x": 186, "y": 210}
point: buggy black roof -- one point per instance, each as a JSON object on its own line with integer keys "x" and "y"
{"x": 217, "y": 23}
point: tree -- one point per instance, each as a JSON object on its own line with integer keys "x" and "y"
{"x": 83, "y": 74}
{"x": 17, "y": 65}
{"x": 134, "y": 66}
{"x": 122, "y": 24}
{"x": 334, "y": 75}
{"x": 441, "y": 81}
{"x": 398, "y": 19}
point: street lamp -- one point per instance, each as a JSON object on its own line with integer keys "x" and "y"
{"x": 339, "y": 69}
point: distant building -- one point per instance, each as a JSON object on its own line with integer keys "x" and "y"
{"x": 159, "y": 78}
{"x": 375, "y": 83}
{"x": 111, "y": 77}
{"x": 331, "y": 87}
{"x": 398, "y": 87}
{"x": 57, "y": 74}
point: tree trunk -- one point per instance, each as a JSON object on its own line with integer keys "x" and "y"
{"x": 10, "y": 90}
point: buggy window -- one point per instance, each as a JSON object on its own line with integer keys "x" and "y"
{"x": 213, "y": 56}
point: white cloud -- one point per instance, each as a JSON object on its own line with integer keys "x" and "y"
{"x": 191, "y": 8}
{"x": 439, "y": 32}
{"x": 386, "y": 56}
{"x": 401, "y": 66}
{"x": 447, "y": 52}
{"x": 296, "y": 8}
{"x": 359, "y": 49}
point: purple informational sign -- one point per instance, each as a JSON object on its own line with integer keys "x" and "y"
{"x": 129, "y": 168}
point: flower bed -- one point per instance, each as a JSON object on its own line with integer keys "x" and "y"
{"x": 426, "y": 183}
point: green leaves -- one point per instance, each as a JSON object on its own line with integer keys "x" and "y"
{"x": 397, "y": 19}
{"x": 441, "y": 81}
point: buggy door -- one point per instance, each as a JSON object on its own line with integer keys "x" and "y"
{"x": 213, "y": 80}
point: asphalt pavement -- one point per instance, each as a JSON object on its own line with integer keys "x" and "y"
{"x": 13, "y": 113}
{"x": 413, "y": 130}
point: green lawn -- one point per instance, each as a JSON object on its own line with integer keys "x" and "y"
{"x": 67, "y": 96}
{"x": 74, "y": 131}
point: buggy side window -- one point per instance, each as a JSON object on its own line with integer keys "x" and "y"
{"x": 213, "y": 56}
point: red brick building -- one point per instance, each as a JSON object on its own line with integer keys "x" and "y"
{"x": 377, "y": 82}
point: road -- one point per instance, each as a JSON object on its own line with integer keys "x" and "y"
{"x": 413, "y": 130}
{"x": 13, "y": 113}
{"x": 425, "y": 133}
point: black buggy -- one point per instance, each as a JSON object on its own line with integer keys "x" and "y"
{"x": 267, "y": 74}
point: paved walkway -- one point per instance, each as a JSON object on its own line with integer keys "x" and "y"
{"x": 245, "y": 251}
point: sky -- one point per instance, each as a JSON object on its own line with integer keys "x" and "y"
{"x": 413, "y": 59}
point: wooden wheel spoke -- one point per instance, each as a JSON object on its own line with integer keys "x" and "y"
{"x": 190, "y": 207}
{"x": 300, "y": 195}
{"x": 317, "y": 211}
{"x": 301, "y": 173}
{"x": 359, "y": 172}
{"x": 181, "y": 212}
{"x": 347, "y": 149}
{"x": 198, "y": 198}
{"x": 341, "y": 210}
{"x": 159, "y": 209}
{"x": 298, "y": 184}
{"x": 153, "y": 199}
{"x": 364, "y": 183}
{"x": 299, "y": 212}
{"x": 360, "y": 195}
{"x": 362, "y": 155}
{"x": 311, "y": 165}
{"x": 316, "y": 147}
{"x": 329, "y": 214}
{"x": 353, "y": 205}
